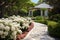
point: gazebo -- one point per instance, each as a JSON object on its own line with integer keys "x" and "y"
{"x": 43, "y": 8}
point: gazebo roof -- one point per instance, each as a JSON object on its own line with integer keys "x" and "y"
{"x": 43, "y": 5}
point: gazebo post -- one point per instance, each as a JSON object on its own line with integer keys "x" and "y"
{"x": 46, "y": 13}
{"x": 41, "y": 12}
{"x": 30, "y": 13}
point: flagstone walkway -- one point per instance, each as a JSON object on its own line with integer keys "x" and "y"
{"x": 39, "y": 32}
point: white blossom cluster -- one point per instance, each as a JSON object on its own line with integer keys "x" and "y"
{"x": 11, "y": 26}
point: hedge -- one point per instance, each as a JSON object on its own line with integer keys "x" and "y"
{"x": 54, "y": 29}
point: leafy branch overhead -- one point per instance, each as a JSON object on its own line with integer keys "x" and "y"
{"x": 12, "y": 6}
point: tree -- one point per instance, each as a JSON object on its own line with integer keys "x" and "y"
{"x": 9, "y": 7}
{"x": 25, "y": 9}
{"x": 54, "y": 14}
{"x": 28, "y": 5}
{"x": 55, "y": 4}
{"x": 40, "y": 1}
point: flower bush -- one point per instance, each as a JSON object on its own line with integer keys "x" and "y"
{"x": 11, "y": 26}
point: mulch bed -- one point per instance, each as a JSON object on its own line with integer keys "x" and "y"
{"x": 21, "y": 36}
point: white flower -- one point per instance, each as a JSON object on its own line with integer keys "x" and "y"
{"x": 28, "y": 18}
{"x": 6, "y": 23}
{"x": 7, "y": 28}
{"x": 26, "y": 24}
{"x": 10, "y": 20}
{"x": 19, "y": 31}
{"x": 5, "y": 33}
{"x": 12, "y": 28}
{"x": 13, "y": 34}
{"x": 1, "y": 26}
{"x": 13, "y": 23}
{"x": 2, "y": 18}
{"x": 1, "y": 32}
{"x": 17, "y": 25}
{"x": 23, "y": 27}
{"x": 3, "y": 36}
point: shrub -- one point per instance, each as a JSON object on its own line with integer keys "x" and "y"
{"x": 54, "y": 29}
{"x": 22, "y": 13}
{"x": 40, "y": 19}
{"x": 55, "y": 17}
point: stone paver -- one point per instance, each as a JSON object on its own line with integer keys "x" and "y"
{"x": 39, "y": 32}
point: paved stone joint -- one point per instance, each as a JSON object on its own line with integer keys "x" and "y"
{"x": 39, "y": 32}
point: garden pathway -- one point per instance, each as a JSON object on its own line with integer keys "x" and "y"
{"x": 39, "y": 32}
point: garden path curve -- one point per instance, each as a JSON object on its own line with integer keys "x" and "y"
{"x": 39, "y": 32}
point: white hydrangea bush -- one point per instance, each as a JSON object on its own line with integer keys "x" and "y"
{"x": 13, "y": 25}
